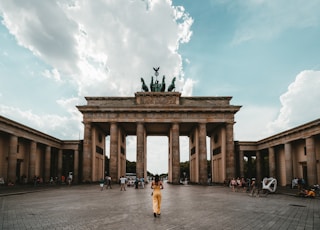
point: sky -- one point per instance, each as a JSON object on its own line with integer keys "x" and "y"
{"x": 263, "y": 53}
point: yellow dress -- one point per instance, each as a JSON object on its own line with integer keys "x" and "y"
{"x": 156, "y": 198}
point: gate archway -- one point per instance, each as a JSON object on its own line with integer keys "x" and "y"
{"x": 164, "y": 114}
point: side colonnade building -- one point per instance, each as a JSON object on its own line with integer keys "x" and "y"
{"x": 26, "y": 153}
{"x": 294, "y": 153}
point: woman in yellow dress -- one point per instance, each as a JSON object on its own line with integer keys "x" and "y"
{"x": 156, "y": 185}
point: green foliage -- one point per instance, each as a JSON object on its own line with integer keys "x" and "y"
{"x": 130, "y": 167}
{"x": 185, "y": 169}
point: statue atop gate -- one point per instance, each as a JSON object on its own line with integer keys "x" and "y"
{"x": 156, "y": 86}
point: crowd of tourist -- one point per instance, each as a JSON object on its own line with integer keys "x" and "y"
{"x": 250, "y": 186}
{"x": 303, "y": 189}
{"x": 123, "y": 182}
{"x": 240, "y": 184}
{"x": 254, "y": 188}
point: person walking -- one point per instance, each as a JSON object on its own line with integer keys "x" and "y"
{"x": 70, "y": 178}
{"x": 108, "y": 181}
{"x": 254, "y": 188}
{"x": 123, "y": 182}
{"x": 156, "y": 185}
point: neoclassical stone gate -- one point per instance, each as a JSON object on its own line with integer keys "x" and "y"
{"x": 162, "y": 114}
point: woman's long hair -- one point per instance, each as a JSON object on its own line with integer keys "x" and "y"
{"x": 156, "y": 179}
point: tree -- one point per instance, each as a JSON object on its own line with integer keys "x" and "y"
{"x": 130, "y": 167}
{"x": 184, "y": 169}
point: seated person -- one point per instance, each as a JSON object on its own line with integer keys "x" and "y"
{"x": 307, "y": 193}
{"x": 310, "y": 193}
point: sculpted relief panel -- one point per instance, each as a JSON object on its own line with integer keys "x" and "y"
{"x": 157, "y": 98}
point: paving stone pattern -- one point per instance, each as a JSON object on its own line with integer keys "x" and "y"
{"x": 183, "y": 207}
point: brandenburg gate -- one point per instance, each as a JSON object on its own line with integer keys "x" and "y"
{"x": 159, "y": 113}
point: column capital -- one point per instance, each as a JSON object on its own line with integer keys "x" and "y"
{"x": 202, "y": 123}
{"x": 174, "y": 124}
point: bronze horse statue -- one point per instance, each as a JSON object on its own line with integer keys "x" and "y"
{"x": 144, "y": 86}
{"x": 151, "y": 85}
{"x": 163, "y": 85}
{"x": 172, "y": 85}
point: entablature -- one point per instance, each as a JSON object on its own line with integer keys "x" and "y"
{"x": 160, "y": 116}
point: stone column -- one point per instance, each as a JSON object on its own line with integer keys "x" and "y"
{"x": 12, "y": 159}
{"x": 272, "y": 162}
{"x": 258, "y": 167}
{"x": 59, "y": 164}
{"x": 32, "y": 160}
{"x": 140, "y": 150}
{"x": 175, "y": 153}
{"x": 76, "y": 167}
{"x": 311, "y": 161}
{"x": 145, "y": 171}
{"x": 114, "y": 144}
{"x": 230, "y": 158}
{"x": 288, "y": 160}
{"x": 87, "y": 153}
{"x": 241, "y": 163}
{"x": 203, "y": 166}
{"x": 47, "y": 164}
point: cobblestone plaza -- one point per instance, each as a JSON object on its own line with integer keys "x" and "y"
{"x": 183, "y": 207}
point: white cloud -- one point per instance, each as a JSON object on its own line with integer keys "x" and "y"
{"x": 298, "y": 106}
{"x": 58, "y": 126}
{"x": 251, "y": 122}
{"x": 299, "y": 103}
{"x": 187, "y": 88}
{"x": 104, "y": 47}
{"x": 97, "y": 48}
{"x": 53, "y": 74}
{"x": 121, "y": 42}
{"x": 44, "y": 29}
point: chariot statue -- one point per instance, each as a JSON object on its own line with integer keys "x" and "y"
{"x": 155, "y": 86}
